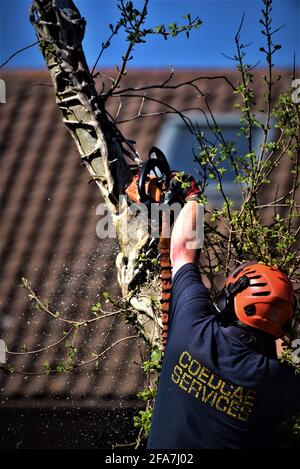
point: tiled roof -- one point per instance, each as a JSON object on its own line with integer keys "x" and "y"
{"x": 48, "y": 235}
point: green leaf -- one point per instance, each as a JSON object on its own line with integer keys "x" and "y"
{"x": 159, "y": 29}
{"x": 156, "y": 355}
{"x": 96, "y": 308}
{"x": 47, "y": 368}
{"x": 146, "y": 394}
{"x": 107, "y": 296}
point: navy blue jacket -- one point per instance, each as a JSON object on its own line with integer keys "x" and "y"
{"x": 214, "y": 390}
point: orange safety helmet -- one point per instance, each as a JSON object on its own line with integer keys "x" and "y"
{"x": 268, "y": 301}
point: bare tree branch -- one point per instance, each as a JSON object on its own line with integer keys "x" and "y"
{"x": 18, "y": 52}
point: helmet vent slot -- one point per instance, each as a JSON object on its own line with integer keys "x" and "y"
{"x": 261, "y": 293}
{"x": 255, "y": 277}
{"x": 262, "y": 284}
{"x": 284, "y": 280}
{"x": 248, "y": 272}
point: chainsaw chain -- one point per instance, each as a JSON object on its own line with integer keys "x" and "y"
{"x": 166, "y": 281}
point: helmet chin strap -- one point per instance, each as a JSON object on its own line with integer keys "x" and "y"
{"x": 224, "y": 304}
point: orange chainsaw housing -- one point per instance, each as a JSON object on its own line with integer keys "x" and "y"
{"x": 152, "y": 188}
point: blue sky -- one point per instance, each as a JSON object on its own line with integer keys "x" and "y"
{"x": 220, "y": 18}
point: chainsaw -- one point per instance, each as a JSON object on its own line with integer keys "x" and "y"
{"x": 150, "y": 185}
{"x": 152, "y": 179}
{"x": 154, "y": 182}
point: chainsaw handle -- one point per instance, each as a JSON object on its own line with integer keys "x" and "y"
{"x": 147, "y": 167}
{"x": 160, "y": 156}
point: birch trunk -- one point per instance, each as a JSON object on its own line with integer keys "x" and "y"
{"x": 60, "y": 30}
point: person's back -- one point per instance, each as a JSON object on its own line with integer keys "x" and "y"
{"x": 216, "y": 390}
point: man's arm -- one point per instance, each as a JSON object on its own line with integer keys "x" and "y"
{"x": 185, "y": 240}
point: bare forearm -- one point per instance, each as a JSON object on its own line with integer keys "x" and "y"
{"x": 185, "y": 246}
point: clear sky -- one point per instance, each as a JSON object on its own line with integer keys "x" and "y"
{"x": 220, "y": 18}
